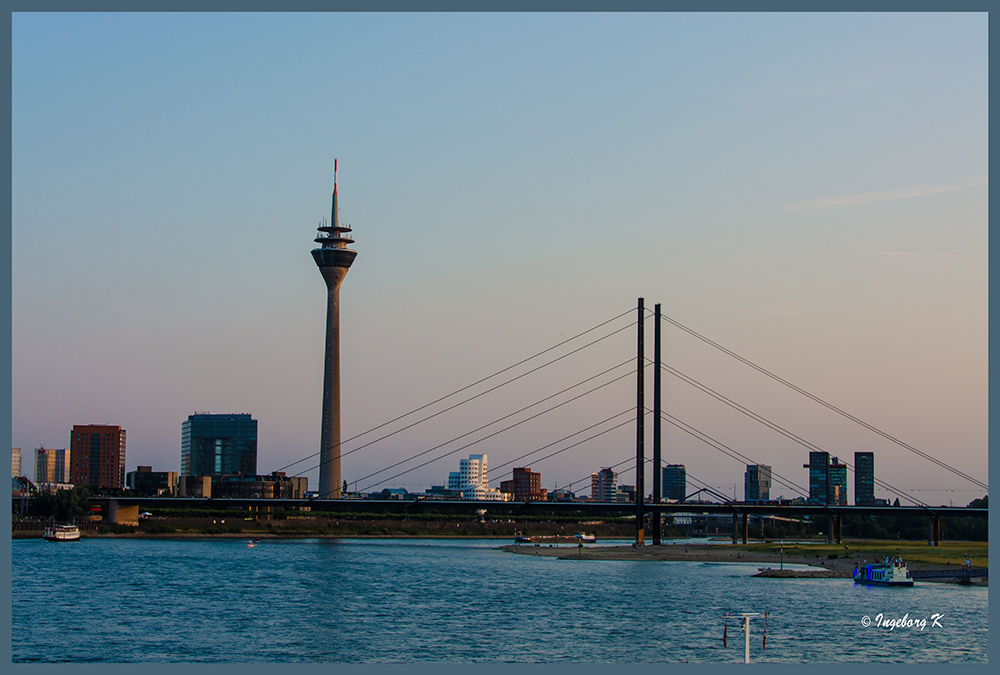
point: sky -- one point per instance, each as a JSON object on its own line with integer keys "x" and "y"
{"x": 807, "y": 190}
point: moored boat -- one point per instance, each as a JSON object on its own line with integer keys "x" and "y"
{"x": 887, "y": 573}
{"x": 61, "y": 533}
{"x": 586, "y": 538}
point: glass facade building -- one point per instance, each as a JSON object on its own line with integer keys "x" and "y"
{"x": 819, "y": 477}
{"x": 864, "y": 478}
{"x": 212, "y": 445}
{"x": 838, "y": 483}
{"x": 757, "y": 483}
{"x": 674, "y": 482}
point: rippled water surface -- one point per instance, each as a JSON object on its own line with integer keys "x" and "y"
{"x": 382, "y": 600}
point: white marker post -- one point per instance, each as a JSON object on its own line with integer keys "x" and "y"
{"x": 745, "y": 616}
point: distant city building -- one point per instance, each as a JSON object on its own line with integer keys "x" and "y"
{"x": 864, "y": 478}
{"x": 97, "y": 456}
{"x": 15, "y": 462}
{"x": 213, "y": 445}
{"x": 441, "y": 492}
{"x": 52, "y": 488}
{"x": 561, "y": 494}
{"x": 838, "y": 483}
{"x": 275, "y": 485}
{"x": 525, "y": 486}
{"x": 625, "y": 494}
{"x": 52, "y": 465}
{"x": 819, "y": 478}
{"x": 674, "y": 482}
{"x": 21, "y": 487}
{"x": 757, "y": 483}
{"x": 194, "y": 486}
{"x": 472, "y": 481}
{"x": 393, "y": 493}
{"x": 604, "y": 485}
{"x": 145, "y": 482}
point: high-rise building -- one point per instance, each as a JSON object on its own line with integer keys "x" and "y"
{"x": 97, "y": 456}
{"x": 525, "y": 486}
{"x": 819, "y": 477}
{"x": 52, "y": 465}
{"x": 674, "y": 485}
{"x": 864, "y": 478}
{"x": 757, "y": 483}
{"x": 212, "y": 445}
{"x": 472, "y": 480}
{"x": 333, "y": 259}
{"x": 838, "y": 483}
{"x": 15, "y": 462}
{"x": 604, "y": 486}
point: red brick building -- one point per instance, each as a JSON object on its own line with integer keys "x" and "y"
{"x": 97, "y": 456}
{"x": 526, "y": 486}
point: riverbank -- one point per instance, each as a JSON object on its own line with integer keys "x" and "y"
{"x": 839, "y": 558}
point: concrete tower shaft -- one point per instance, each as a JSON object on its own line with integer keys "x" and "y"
{"x": 333, "y": 259}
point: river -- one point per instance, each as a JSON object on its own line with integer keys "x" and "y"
{"x": 434, "y": 600}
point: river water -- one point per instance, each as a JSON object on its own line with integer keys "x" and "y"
{"x": 422, "y": 600}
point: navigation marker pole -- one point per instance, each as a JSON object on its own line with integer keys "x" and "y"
{"x": 745, "y": 617}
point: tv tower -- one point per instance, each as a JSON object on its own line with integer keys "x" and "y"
{"x": 333, "y": 259}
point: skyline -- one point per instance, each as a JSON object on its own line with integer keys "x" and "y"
{"x": 808, "y": 190}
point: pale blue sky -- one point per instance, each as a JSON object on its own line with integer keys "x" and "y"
{"x": 809, "y": 190}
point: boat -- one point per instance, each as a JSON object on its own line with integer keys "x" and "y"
{"x": 62, "y": 533}
{"x": 886, "y": 573}
{"x": 586, "y": 538}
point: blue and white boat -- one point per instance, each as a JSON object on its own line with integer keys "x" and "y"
{"x": 887, "y": 573}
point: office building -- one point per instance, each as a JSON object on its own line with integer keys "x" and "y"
{"x": 472, "y": 481}
{"x": 674, "y": 482}
{"x": 604, "y": 485}
{"x": 97, "y": 456}
{"x": 838, "y": 483}
{"x": 864, "y": 478}
{"x": 52, "y": 465}
{"x": 194, "y": 486}
{"x": 819, "y": 478}
{"x": 212, "y": 445}
{"x": 275, "y": 485}
{"x": 333, "y": 259}
{"x": 525, "y": 486}
{"x": 15, "y": 462}
{"x": 757, "y": 483}
{"x": 145, "y": 482}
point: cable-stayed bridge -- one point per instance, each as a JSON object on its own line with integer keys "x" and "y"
{"x": 621, "y": 370}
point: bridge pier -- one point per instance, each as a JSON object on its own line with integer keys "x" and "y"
{"x": 122, "y": 515}
{"x": 829, "y": 529}
{"x": 934, "y": 531}
{"x": 736, "y": 529}
{"x": 745, "y": 529}
{"x": 839, "y": 527}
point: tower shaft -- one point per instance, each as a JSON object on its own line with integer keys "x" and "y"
{"x": 329, "y": 470}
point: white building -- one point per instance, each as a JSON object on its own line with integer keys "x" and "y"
{"x": 472, "y": 480}
{"x": 15, "y": 462}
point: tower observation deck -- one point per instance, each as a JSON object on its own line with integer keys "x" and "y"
{"x": 333, "y": 259}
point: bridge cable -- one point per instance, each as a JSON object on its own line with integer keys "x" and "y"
{"x": 458, "y": 391}
{"x": 775, "y": 427}
{"x": 527, "y": 419}
{"x": 830, "y": 406}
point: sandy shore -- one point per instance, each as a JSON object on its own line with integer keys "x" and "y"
{"x": 841, "y": 566}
